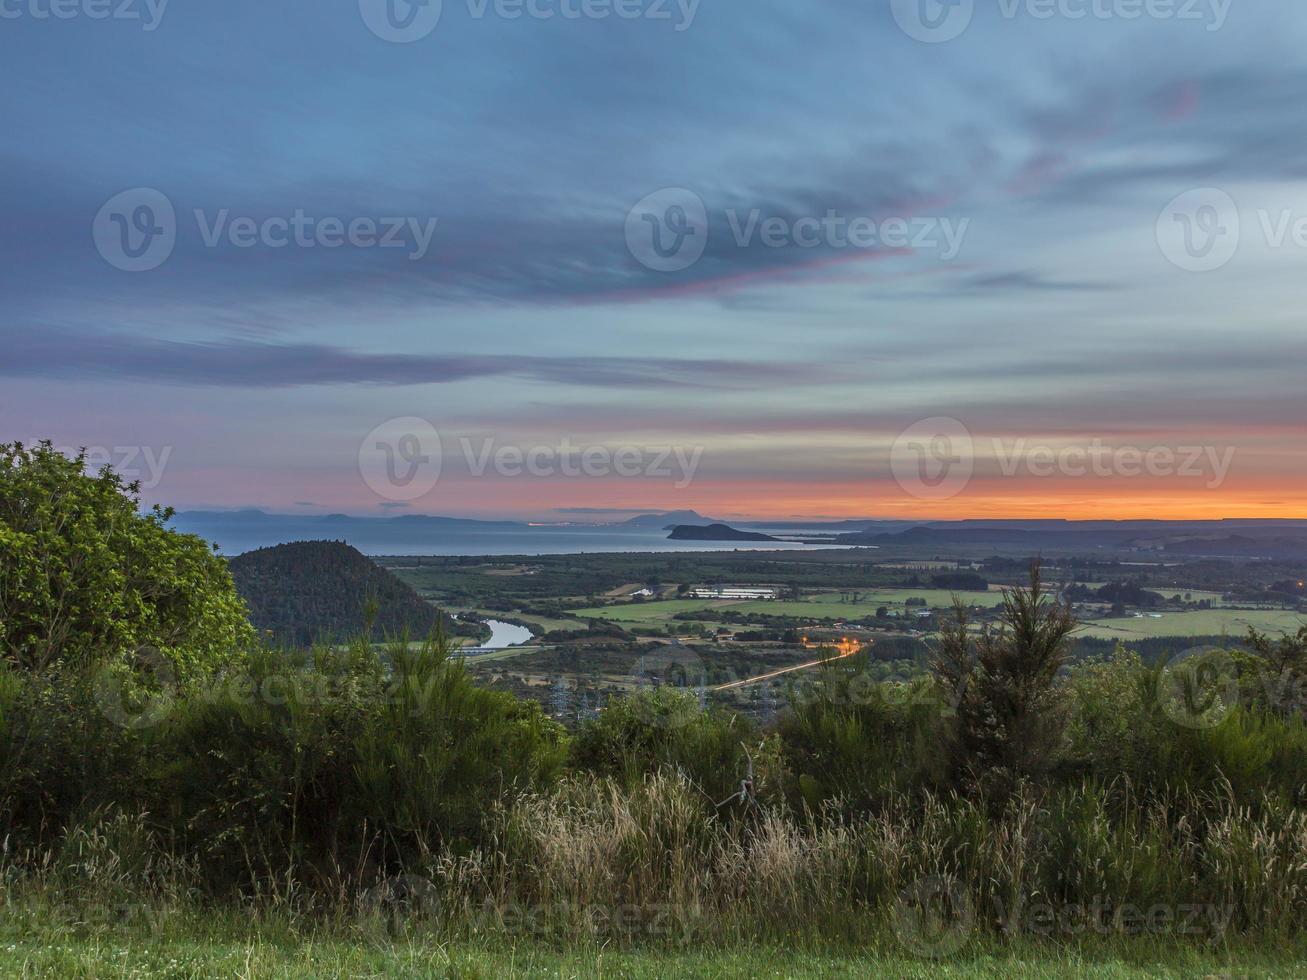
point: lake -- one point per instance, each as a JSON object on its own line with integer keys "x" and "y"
{"x": 243, "y": 531}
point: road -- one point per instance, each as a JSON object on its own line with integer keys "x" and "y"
{"x": 750, "y": 681}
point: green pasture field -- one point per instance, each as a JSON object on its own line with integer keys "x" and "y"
{"x": 659, "y": 611}
{"x": 1202, "y": 622}
{"x": 825, "y": 605}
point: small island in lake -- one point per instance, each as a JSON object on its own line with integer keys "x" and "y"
{"x": 715, "y": 532}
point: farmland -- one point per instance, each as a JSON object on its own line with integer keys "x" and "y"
{"x": 1233, "y": 623}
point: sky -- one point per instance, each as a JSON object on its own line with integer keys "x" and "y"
{"x": 574, "y": 259}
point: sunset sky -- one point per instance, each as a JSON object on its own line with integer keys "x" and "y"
{"x": 1044, "y": 301}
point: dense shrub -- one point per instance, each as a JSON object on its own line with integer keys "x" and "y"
{"x": 1007, "y": 717}
{"x": 665, "y": 728}
{"x": 849, "y": 738}
{"x": 1121, "y": 726}
{"x": 86, "y": 578}
{"x": 60, "y": 755}
{"x": 327, "y": 766}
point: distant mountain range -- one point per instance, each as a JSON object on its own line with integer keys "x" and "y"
{"x": 850, "y": 525}
{"x": 1241, "y": 538}
{"x": 244, "y": 530}
{"x": 669, "y": 519}
{"x": 228, "y": 518}
{"x": 237, "y": 531}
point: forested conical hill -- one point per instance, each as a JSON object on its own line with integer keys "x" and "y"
{"x": 311, "y": 591}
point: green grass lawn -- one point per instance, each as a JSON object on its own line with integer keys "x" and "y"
{"x": 1203, "y": 622}
{"x": 941, "y": 598}
{"x": 827, "y": 605}
{"x": 142, "y": 957}
{"x": 830, "y": 606}
{"x": 653, "y": 612}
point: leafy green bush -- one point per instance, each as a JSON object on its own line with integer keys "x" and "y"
{"x": 438, "y": 752}
{"x": 665, "y": 727}
{"x": 86, "y": 578}
{"x": 335, "y": 764}
{"x": 60, "y": 755}
{"x": 850, "y": 738}
{"x": 1121, "y": 726}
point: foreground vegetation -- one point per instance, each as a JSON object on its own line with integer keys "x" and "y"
{"x": 200, "y": 950}
{"x": 349, "y": 810}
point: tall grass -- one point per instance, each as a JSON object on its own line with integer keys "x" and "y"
{"x": 379, "y": 797}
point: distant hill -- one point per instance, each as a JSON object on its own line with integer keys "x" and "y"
{"x": 669, "y": 519}
{"x": 312, "y": 591}
{"x": 238, "y": 531}
{"x": 715, "y": 532}
{"x": 848, "y": 526}
{"x": 1217, "y": 539}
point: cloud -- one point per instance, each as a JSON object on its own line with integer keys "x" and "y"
{"x": 258, "y": 364}
{"x": 1027, "y": 281}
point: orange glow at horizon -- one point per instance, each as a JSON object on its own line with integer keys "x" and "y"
{"x": 1034, "y": 499}
{"x": 789, "y": 500}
